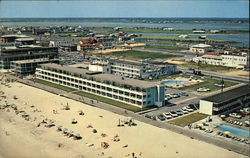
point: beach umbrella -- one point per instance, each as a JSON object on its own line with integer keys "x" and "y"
{"x": 70, "y": 133}
{"x": 59, "y": 127}
{"x": 65, "y": 129}
{"x": 226, "y": 132}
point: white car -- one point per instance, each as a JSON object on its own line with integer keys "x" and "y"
{"x": 234, "y": 115}
{"x": 187, "y": 109}
{"x": 167, "y": 115}
{"x": 203, "y": 89}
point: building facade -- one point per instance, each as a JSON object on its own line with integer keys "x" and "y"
{"x": 145, "y": 70}
{"x": 29, "y": 66}
{"x": 130, "y": 91}
{"x": 234, "y": 61}
{"x": 226, "y": 102}
{"x": 15, "y": 54}
{"x": 200, "y": 48}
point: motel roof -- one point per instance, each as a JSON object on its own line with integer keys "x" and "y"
{"x": 201, "y": 46}
{"x": 34, "y": 60}
{"x": 229, "y": 95}
{"x": 103, "y": 77}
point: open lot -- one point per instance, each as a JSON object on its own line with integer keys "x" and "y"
{"x": 207, "y": 67}
{"x": 138, "y": 55}
{"x": 186, "y": 120}
{"x": 208, "y": 83}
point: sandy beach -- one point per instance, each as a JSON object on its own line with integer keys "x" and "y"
{"x": 20, "y": 138}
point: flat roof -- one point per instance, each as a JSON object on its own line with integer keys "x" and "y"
{"x": 202, "y": 46}
{"x": 229, "y": 95}
{"x": 104, "y": 77}
{"x": 16, "y": 36}
{"x": 33, "y": 60}
{"x": 25, "y": 39}
{"x": 126, "y": 62}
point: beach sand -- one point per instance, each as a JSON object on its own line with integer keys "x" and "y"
{"x": 21, "y": 139}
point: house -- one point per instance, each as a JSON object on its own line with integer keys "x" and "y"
{"x": 200, "y": 48}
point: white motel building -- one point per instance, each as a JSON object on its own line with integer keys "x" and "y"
{"x": 127, "y": 90}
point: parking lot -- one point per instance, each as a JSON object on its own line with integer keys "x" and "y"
{"x": 178, "y": 105}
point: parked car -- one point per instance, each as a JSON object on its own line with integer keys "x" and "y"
{"x": 173, "y": 114}
{"x": 183, "y": 94}
{"x": 149, "y": 116}
{"x": 179, "y": 112}
{"x": 187, "y": 108}
{"x": 174, "y": 95}
{"x": 203, "y": 89}
{"x": 235, "y": 115}
{"x": 161, "y": 117}
{"x": 167, "y": 115}
{"x": 245, "y": 111}
{"x": 184, "y": 111}
{"x": 193, "y": 106}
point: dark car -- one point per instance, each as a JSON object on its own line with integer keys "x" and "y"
{"x": 183, "y": 94}
{"x": 161, "y": 117}
{"x": 179, "y": 112}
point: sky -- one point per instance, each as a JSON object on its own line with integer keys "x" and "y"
{"x": 124, "y": 8}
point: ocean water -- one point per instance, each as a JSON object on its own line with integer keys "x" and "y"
{"x": 176, "y": 23}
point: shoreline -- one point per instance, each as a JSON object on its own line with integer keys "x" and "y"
{"x": 167, "y": 128}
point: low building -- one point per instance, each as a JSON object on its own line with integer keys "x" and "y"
{"x": 131, "y": 69}
{"x": 26, "y": 41}
{"x": 25, "y": 67}
{"x": 11, "y": 38}
{"x": 135, "y": 92}
{"x": 228, "y": 60}
{"x": 88, "y": 44}
{"x": 199, "y": 31}
{"x": 200, "y": 48}
{"x": 25, "y": 53}
{"x": 226, "y": 102}
{"x": 60, "y": 43}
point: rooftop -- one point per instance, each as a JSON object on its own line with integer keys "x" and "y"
{"x": 14, "y": 36}
{"x": 229, "y": 95}
{"x": 202, "y": 46}
{"x": 25, "y": 39}
{"x": 104, "y": 77}
{"x": 34, "y": 60}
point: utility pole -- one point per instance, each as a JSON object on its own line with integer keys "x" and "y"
{"x": 222, "y": 85}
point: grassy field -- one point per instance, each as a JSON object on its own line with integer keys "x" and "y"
{"x": 208, "y": 83}
{"x": 167, "y": 47}
{"x": 50, "y": 84}
{"x": 109, "y": 101}
{"x": 138, "y": 55}
{"x": 152, "y": 30}
{"x": 186, "y": 120}
{"x": 92, "y": 96}
{"x": 173, "y": 38}
{"x": 207, "y": 67}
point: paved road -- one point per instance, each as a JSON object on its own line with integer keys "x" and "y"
{"x": 188, "y": 55}
{"x": 219, "y": 76}
{"x": 238, "y": 148}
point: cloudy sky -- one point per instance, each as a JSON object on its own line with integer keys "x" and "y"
{"x": 124, "y": 8}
